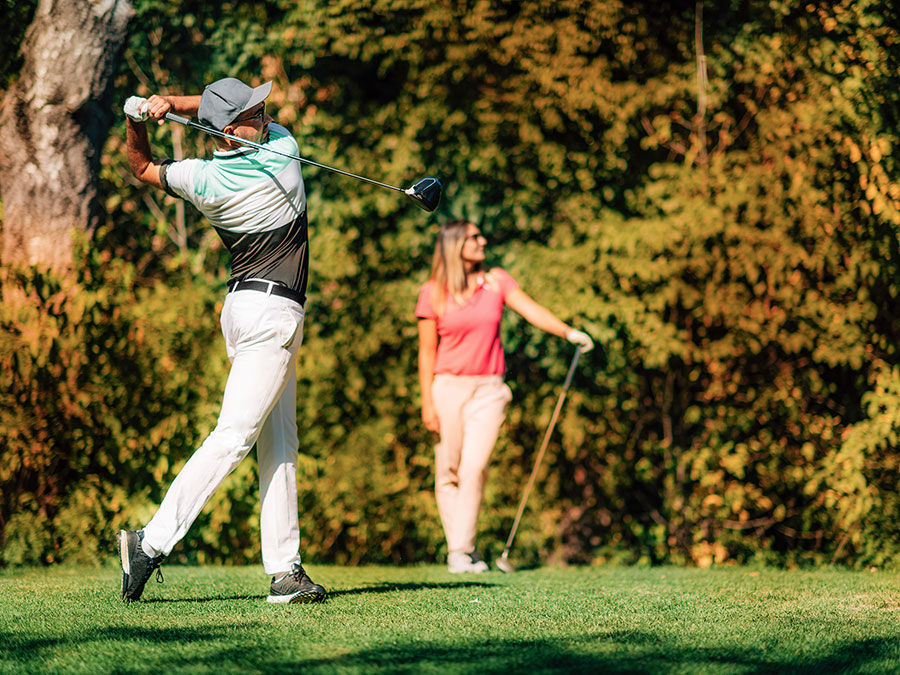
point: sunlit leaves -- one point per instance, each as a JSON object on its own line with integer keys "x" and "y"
{"x": 738, "y": 269}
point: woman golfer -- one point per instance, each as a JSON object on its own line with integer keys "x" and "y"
{"x": 461, "y": 369}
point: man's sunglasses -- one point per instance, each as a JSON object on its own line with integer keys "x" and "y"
{"x": 255, "y": 117}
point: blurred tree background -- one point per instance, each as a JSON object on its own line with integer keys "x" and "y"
{"x": 710, "y": 191}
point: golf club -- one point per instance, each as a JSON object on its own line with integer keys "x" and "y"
{"x": 503, "y": 563}
{"x": 426, "y": 193}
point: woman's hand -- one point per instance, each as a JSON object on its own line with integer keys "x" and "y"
{"x": 583, "y": 340}
{"x": 430, "y": 418}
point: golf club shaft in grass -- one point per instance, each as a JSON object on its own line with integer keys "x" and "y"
{"x": 427, "y": 198}
{"x": 540, "y": 455}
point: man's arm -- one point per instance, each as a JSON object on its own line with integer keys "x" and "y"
{"x": 140, "y": 158}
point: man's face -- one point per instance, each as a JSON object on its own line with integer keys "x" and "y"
{"x": 252, "y": 125}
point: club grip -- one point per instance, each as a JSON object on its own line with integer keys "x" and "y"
{"x": 177, "y": 118}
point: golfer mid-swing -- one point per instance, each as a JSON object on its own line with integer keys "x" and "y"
{"x": 257, "y": 203}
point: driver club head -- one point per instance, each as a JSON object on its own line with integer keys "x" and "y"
{"x": 426, "y": 193}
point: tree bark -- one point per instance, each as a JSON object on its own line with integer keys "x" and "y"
{"x": 53, "y": 123}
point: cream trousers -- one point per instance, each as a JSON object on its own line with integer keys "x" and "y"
{"x": 262, "y": 335}
{"x": 470, "y": 409}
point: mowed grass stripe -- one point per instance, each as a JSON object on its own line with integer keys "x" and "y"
{"x": 423, "y": 619}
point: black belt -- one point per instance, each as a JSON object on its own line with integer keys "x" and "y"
{"x": 267, "y": 287}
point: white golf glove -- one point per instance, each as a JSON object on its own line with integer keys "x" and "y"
{"x": 136, "y": 108}
{"x": 583, "y": 340}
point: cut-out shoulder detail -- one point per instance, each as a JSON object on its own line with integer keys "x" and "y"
{"x": 491, "y": 280}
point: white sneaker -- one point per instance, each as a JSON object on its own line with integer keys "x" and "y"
{"x": 459, "y": 562}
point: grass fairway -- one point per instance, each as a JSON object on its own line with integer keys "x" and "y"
{"x": 423, "y": 619}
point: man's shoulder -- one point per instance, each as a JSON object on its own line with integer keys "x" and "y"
{"x": 180, "y": 177}
{"x": 278, "y": 130}
{"x": 190, "y": 163}
{"x": 278, "y": 135}
{"x": 190, "y": 167}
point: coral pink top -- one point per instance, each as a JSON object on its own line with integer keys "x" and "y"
{"x": 469, "y": 334}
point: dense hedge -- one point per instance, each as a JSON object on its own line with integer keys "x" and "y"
{"x": 99, "y": 399}
{"x": 738, "y": 268}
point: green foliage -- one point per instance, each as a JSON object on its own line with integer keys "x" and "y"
{"x": 15, "y": 16}
{"x": 737, "y": 267}
{"x": 99, "y": 393}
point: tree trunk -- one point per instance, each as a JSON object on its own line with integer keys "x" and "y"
{"x": 53, "y": 123}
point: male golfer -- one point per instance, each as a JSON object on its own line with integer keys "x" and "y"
{"x": 256, "y": 202}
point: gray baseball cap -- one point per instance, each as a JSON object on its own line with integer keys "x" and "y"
{"x": 225, "y": 99}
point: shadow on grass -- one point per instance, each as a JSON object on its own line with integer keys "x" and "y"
{"x": 647, "y": 653}
{"x": 376, "y": 588}
{"x": 13, "y": 649}
{"x": 211, "y": 598}
{"x": 390, "y": 588}
{"x": 221, "y": 648}
{"x": 617, "y": 653}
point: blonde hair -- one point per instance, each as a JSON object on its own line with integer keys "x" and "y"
{"x": 447, "y": 270}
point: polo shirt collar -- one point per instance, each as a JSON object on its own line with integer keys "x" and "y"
{"x": 237, "y": 152}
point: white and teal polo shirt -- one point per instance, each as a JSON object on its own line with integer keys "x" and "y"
{"x": 256, "y": 202}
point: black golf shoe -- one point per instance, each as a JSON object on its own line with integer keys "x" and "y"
{"x": 137, "y": 566}
{"x": 295, "y": 586}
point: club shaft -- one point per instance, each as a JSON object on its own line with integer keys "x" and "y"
{"x": 540, "y": 455}
{"x": 221, "y": 134}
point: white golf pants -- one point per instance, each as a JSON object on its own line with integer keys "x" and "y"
{"x": 470, "y": 409}
{"x": 262, "y": 335}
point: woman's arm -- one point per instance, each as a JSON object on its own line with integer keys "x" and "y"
{"x": 535, "y": 314}
{"x": 428, "y": 341}
{"x": 543, "y": 318}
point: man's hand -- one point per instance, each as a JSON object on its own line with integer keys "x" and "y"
{"x": 430, "y": 418}
{"x": 158, "y": 106}
{"x": 136, "y": 108}
{"x": 583, "y": 340}
{"x": 141, "y": 109}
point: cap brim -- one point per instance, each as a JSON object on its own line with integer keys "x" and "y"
{"x": 259, "y": 95}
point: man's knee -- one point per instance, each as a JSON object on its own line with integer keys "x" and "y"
{"x": 232, "y": 442}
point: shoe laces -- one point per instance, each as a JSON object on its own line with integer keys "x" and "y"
{"x": 154, "y": 566}
{"x": 297, "y": 572}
